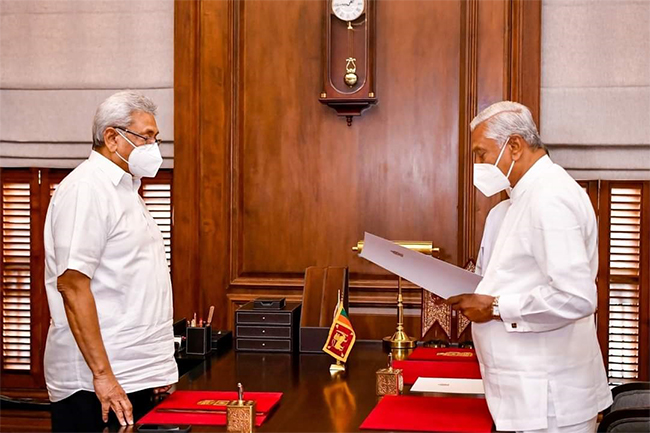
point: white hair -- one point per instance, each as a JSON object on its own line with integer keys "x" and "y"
{"x": 507, "y": 118}
{"x": 116, "y": 110}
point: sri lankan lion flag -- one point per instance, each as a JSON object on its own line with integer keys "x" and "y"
{"x": 341, "y": 337}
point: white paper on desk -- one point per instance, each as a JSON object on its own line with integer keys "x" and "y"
{"x": 436, "y": 276}
{"x": 448, "y": 386}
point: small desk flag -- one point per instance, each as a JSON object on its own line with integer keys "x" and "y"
{"x": 341, "y": 337}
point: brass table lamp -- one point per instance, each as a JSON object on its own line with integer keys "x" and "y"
{"x": 400, "y": 340}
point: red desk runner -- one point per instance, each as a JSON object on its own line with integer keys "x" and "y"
{"x": 207, "y": 407}
{"x": 435, "y": 414}
{"x": 444, "y": 355}
{"x": 411, "y": 370}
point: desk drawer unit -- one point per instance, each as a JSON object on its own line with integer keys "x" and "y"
{"x": 267, "y": 345}
{"x": 271, "y": 318}
{"x": 264, "y": 331}
{"x": 267, "y": 330}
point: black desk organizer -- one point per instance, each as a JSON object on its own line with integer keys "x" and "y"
{"x": 199, "y": 340}
{"x": 267, "y": 330}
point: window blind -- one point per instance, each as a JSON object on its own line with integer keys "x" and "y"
{"x": 624, "y": 282}
{"x": 157, "y": 197}
{"x": 16, "y": 276}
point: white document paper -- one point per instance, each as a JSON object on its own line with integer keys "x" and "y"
{"x": 448, "y": 386}
{"x": 441, "y": 278}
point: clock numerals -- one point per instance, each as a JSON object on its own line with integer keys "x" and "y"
{"x": 348, "y": 10}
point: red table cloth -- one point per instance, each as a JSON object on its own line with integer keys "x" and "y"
{"x": 207, "y": 407}
{"x": 434, "y": 414}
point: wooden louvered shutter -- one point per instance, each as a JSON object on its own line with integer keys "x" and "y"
{"x": 25, "y": 315}
{"x": 16, "y": 275}
{"x": 157, "y": 195}
{"x": 624, "y": 278}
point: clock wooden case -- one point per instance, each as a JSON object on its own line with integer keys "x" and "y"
{"x": 349, "y": 57}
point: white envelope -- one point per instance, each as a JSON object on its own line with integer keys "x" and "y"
{"x": 448, "y": 386}
{"x": 436, "y": 276}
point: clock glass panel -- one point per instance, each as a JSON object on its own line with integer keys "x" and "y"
{"x": 347, "y": 10}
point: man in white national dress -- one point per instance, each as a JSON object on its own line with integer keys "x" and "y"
{"x": 110, "y": 345}
{"x": 533, "y": 312}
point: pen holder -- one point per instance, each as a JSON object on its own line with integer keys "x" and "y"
{"x": 198, "y": 340}
{"x": 390, "y": 381}
{"x": 240, "y": 416}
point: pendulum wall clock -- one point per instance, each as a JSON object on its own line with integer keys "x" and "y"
{"x": 349, "y": 57}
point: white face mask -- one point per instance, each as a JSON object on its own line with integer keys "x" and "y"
{"x": 144, "y": 160}
{"x": 489, "y": 179}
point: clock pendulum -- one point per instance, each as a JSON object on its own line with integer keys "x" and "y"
{"x": 350, "y": 77}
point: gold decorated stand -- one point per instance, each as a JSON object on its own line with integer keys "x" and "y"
{"x": 400, "y": 340}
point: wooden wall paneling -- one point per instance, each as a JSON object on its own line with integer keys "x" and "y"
{"x": 466, "y": 195}
{"x": 602, "y": 314}
{"x": 509, "y": 68}
{"x": 40, "y": 312}
{"x": 468, "y": 96}
{"x": 216, "y": 80}
{"x": 525, "y": 71}
{"x": 371, "y": 326}
{"x": 273, "y": 182}
{"x": 185, "y": 197}
{"x": 491, "y": 86}
{"x": 408, "y": 171}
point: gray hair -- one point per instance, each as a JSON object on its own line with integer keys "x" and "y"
{"x": 507, "y": 118}
{"x": 116, "y": 110}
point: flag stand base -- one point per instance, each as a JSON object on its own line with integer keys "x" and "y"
{"x": 339, "y": 367}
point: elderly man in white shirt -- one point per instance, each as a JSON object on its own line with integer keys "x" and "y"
{"x": 533, "y": 312}
{"x": 110, "y": 343}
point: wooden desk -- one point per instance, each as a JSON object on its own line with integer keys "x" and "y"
{"x": 312, "y": 400}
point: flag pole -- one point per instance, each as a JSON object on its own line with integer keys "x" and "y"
{"x": 339, "y": 367}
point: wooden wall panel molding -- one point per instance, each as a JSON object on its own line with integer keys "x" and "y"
{"x": 269, "y": 181}
{"x": 185, "y": 236}
{"x": 524, "y": 72}
{"x": 469, "y": 97}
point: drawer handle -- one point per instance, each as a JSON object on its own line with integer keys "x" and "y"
{"x": 263, "y": 331}
{"x": 263, "y": 344}
{"x": 263, "y": 317}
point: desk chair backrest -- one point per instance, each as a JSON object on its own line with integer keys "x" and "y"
{"x": 630, "y": 411}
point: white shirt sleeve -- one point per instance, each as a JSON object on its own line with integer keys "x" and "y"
{"x": 79, "y": 229}
{"x": 558, "y": 245}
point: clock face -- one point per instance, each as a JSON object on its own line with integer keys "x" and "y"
{"x": 347, "y": 10}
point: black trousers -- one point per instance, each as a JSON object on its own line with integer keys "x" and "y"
{"x": 82, "y": 412}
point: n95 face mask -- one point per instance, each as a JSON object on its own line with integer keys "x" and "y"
{"x": 145, "y": 160}
{"x": 489, "y": 179}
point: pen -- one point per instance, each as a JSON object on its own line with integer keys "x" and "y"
{"x": 210, "y": 315}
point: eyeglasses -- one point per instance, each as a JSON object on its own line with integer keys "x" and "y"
{"x": 146, "y": 139}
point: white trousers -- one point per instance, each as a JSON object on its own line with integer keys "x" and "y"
{"x": 583, "y": 427}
